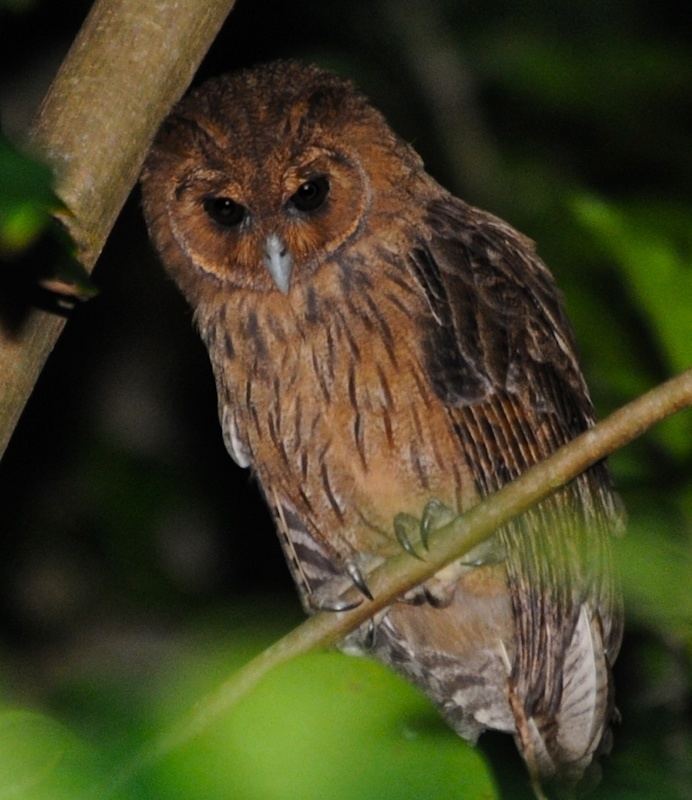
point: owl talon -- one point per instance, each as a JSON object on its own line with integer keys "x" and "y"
{"x": 336, "y": 606}
{"x": 369, "y": 640}
{"x": 358, "y": 580}
{"x": 485, "y": 554}
{"x": 435, "y": 515}
{"x": 404, "y": 524}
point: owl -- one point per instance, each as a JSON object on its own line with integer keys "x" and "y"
{"x": 385, "y": 356}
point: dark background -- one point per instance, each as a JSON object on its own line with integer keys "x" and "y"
{"x": 125, "y": 525}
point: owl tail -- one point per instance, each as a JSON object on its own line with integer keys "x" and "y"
{"x": 563, "y": 746}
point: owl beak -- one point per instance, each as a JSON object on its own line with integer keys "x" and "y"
{"x": 278, "y": 261}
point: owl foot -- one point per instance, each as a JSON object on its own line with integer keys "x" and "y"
{"x": 491, "y": 551}
{"x": 439, "y": 590}
{"x": 333, "y": 605}
{"x": 369, "y": 638}
{"x": 435, "y": 515}
{"x": 406, "y": 527}
{"x": 356, "y": 576}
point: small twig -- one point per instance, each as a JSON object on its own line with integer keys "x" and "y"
{"x": 402, "y": 572}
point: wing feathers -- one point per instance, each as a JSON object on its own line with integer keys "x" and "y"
{"x": 500, "y": 354}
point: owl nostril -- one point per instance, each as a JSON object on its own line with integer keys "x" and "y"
{"x": 274, "y": 247}
{"x": 278, "y": 262}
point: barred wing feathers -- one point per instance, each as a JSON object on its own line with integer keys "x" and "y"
{"x": 500, "y": 354}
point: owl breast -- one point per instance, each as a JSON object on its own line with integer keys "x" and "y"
{"x": 308, "y": 398}
{"x": 338, "y": 448}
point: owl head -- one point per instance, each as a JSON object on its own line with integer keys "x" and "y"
{"x": 258, "y": 178}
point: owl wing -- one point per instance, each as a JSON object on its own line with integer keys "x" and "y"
{"x": 500, "y": 355}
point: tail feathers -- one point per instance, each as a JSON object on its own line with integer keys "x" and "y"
{"x": 583, "y": 714}
{"x": 564, "y": 745}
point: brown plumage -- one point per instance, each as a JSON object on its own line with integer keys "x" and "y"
{"x": 377, "y": 344}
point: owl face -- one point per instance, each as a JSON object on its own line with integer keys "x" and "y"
{"x": 251, "y": 187}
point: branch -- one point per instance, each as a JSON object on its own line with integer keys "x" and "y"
{"x": 402, "y": 572}
{"x": 130, "y": 62}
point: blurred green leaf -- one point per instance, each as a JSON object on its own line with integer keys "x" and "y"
{"x": 26, "y": 198}
{"x": 26, "y": 205}
{"x": 659, "y": 279}
{"x": 41, "y": 760}
{"x": 562, "y": 78}
{"x": 564, "y": 75}
{"x": 658, "y": 275}
{"x": 637, "y": 773}
{"x": 328, "y": 726}
{"x": 657, "y": 576}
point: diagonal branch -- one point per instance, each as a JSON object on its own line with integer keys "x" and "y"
{"x": 402, "y": 572}
{"x": 130, "y": 62}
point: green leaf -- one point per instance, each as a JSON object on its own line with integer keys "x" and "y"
{"x": 41, "y": 760}
{"x": 26, "y": 205}
{"x": 657, "y": 575}
{"x": 26, "y": 199}
{"x": 329, "y": 726}
{"x": 659, "y": 279}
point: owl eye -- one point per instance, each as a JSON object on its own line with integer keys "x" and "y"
{"x": 311, "y": 194}
{"x": 224, "y": 211}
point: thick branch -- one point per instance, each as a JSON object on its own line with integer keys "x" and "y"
{"x": 403, "y": 572}
{"x": 130, "y": 62}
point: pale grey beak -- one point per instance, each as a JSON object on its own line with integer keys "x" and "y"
{"x": 278, "y": 261}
